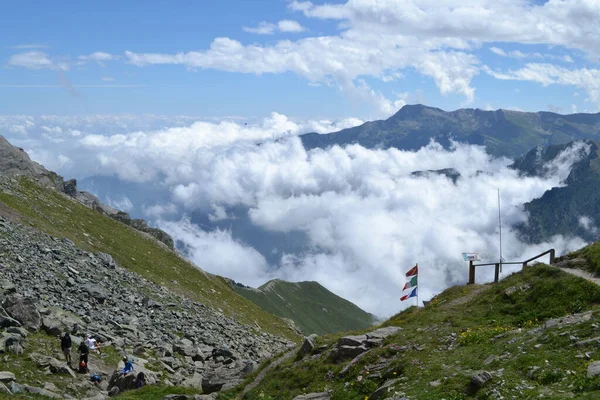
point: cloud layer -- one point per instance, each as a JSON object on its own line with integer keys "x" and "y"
{"x": 364, "y": 216}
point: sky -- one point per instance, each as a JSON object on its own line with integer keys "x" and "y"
{"x": 357, "y": 58}
{"x": 202, "y": 103}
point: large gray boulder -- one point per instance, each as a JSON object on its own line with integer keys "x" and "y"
{"x": 24, "y": 310}
{"x": 127, "y": 382}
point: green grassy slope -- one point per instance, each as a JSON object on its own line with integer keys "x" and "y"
{"x": 312, "y": 307}
{"x": 61, "y": 216}
{"x": 443, "y": 344}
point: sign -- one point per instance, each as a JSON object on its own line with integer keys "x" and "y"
{"x": 471, "y": 256}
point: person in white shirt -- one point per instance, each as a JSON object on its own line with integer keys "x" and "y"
{"x": 92, "y": 344}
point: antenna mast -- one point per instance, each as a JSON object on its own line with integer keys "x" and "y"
{"x": 500, "y": 229}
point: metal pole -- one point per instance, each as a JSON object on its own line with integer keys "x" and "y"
{"x": 500, "y": 229}
{"x": 417, "y": 289}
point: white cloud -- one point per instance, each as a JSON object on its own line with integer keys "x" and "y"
{"x": 287, "y": 25}
{"x": 30, "y": 46}
{"x": 217, "y": 252}
{"x": 108, "y": 79}
{"x": 35, "y": 60}
{"x": 548, "y": 74}
{"x": 521, "y": 55}
{"x": 263, "y": 28}
{"x": 99, "y": 57}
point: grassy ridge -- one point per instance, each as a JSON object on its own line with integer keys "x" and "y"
{"x": 60, "y": 216}
{"x": 443, "y": 344}
{"x": 312, "y": 307}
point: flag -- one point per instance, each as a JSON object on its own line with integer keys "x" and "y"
{"x": 411, "y": 283}
{"x": 408, "y": 296}
{"x": 413, "y": 271}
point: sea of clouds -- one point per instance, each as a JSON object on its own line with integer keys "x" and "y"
{"x": 365, "y": 218}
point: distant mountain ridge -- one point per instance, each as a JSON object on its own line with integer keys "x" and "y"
{"x": 313, "y": 308}
{"x": 503, "y": 132}
{"x": 571, "y": 210}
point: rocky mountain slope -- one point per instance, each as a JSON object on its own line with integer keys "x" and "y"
{"x": 312, "y": 307}
{"x": 48, "y": 285}
{"x": 570, "y": 210}
{"x": 64, "y": 263}
{"x": 533, "y": 335}
{"x": 15, "y": 162}
{"x": 502, "y": 132}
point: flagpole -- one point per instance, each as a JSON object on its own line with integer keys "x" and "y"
{"x": 500, "y": 229}
{"x": 417, "y": 289}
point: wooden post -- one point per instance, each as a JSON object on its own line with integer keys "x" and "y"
{"x": 552, "y": 255}
{"x": 471, "y": 273}
{"x": 524, "y": 265}
{"x": 497, "y": 273}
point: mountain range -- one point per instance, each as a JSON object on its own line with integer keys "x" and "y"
{"x": 503, "y": 132}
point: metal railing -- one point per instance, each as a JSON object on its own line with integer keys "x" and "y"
{"x": 498, "y": 265}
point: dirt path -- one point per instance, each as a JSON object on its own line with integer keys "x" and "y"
{"x": 264, "y": 372}
{"x": 582, "y": 274}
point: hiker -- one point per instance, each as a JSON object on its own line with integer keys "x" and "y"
{"x": 128, "y": 366}
{"x": 140, "y": 381}
{"x": 84, "y": 352}
{"x": 93, "y": 344}
{"x": 65, "y": 345}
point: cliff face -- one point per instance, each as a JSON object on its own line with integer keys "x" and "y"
{"x": 15, "y": 162}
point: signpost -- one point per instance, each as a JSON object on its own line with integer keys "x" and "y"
{"x": 471, "y": 256}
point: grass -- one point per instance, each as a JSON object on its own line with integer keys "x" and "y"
{"x": 62, "y": 217}
{"x": 447, "y": 341}
{"x": 312, "y": 307}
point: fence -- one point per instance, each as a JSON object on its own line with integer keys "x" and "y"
{"x": 498, "y": 265}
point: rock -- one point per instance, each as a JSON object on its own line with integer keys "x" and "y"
{"x": 185, "y": 347}
{"x": 220, "y": 379}
{"x": 352, "y": 340}
{"x": 308, "y": 346}
{"x": 479, "y": 379}
{"x": 514, "y": 289}
{"x": 345, "y": 352}
{"x": 9, "y": 339}
{"x": 7, "y": 376}
{"x": 95, "y": 292}
{"x": 18, "y": 330}
{"x": 126, "y": 382}
{"x": 15, "y": 388}
{"x": 113, "y": 391}
{"x": 6, "y": 321}
{"x": 593, "y": 369}
{"x": 314, "y": 396}
{"x": 7, "y": 287}
{"x": 40, "y": 391}
{"x": 55, "y": 366}
{"x": 24, "y": 310}
{"x": 106, "y": 260}
{"x": 194, "y": 381}
{"x": 385, "y": 389}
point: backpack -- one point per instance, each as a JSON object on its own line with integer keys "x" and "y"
{"x": 95, "y": 378}
{"x": 82, "y": 367}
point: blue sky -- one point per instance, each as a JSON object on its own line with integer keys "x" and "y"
{"x": 360, "y": 58}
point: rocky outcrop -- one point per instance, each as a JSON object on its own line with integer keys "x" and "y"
{"x": 349, "y": 347}
{"x": 187, "y": 343}
{"x": 15, "y": 162}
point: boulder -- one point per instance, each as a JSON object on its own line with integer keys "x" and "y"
{"x": 480, "y": 378}
{"x": 185, "y": 347}
{"x": 6, "y": 376}
{"x": 55, "y": 366}
{"x": 40, "y": 391}
{"x": 106, "y": 260}
{"x": 95, "y": 292}
{"x": 593, "y": 369}
{"x": 9, "y": 339}
{"x": 24, "y": 310}
{"x": 345, "y": 352}
{"x": 6, "y": 321}
{"x": 314, "y": 396}
{"x": 384, "y": 390}
{"x": 308, "y": 346}
{"x": 127, "y": 382}
{"x": 194, "y": 381}
{"x": 220, "y": 379}
{"x": 352, "y": 340}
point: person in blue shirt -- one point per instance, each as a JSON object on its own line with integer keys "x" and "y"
{"x": 128, "y": 366}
